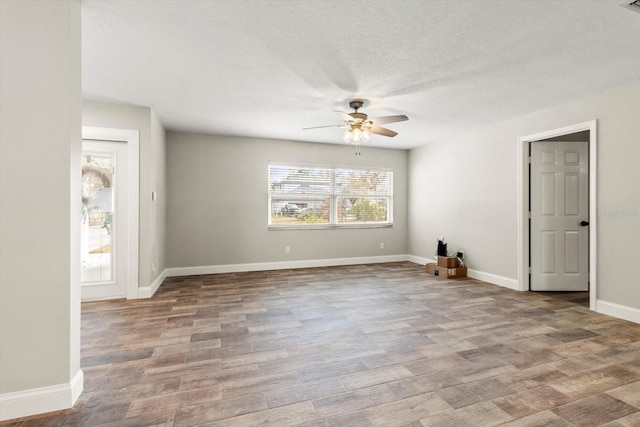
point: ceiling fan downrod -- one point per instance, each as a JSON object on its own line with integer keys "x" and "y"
{"x": 356, "y": 104}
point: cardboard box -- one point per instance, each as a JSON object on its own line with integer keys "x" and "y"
{"x": 431, "y": 268}
{"x": 447, "y": 261}
{"x": 447, "y": 273}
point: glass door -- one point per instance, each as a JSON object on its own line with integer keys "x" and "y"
{"x": 105, "y": 224}
{"x": 97, "y": 218}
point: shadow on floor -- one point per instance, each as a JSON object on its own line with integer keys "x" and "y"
{"x": 578, "y": 298}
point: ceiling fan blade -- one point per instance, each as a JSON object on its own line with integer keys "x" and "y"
{"x": 327, "y": 126}
{"x": 379, "y": 130}
{"x": 345, "y": 116}
{"x": 389, "y": 119}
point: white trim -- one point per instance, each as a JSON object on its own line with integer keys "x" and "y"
{"x": 494, "y": 279}
{"x": 102, "y": 298}
{"x": 132, "y": 138}
{"x": 523, "y": 197}
{"x": 419, "y": 260}
{"x": 264, "y": 266}
{"x": 328, "y": 226}
{"x": 40, "y": 400}
{"x": 505, "y": 282}
{"x": 329, "y": 166}
{"x": 149, "y": 291}
{"x": 617, "y": 310}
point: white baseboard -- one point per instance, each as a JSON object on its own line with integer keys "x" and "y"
{"x": 618, "y": 310}
{"x": 419, "y": 260}
{"x": 264, "y": 266}
{"x": 149, "y": 291}
{"x": 505, "y": 282}
{"x": 41, "y": 400}
{"x": 494, "y": 279}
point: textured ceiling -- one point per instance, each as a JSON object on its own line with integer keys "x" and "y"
{"x": 268, "y": 68}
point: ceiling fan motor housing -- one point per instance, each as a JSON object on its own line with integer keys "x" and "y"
{"x": 356, "y": 104}
{"x": 359, "y": 117}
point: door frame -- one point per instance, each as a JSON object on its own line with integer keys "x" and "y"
{"x": 132, "y": 139}
{"x": 523, "y": 203}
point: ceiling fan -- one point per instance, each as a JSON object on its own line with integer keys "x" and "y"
{"x": 360, "y": 127}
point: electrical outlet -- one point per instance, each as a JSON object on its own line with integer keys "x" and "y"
{"x": 381, "y": 245}
{"x": 287, "y": 249}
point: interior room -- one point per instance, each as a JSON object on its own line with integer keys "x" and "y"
{"x": 219, "y": 212}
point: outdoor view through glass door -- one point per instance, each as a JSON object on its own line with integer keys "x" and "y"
{"x": 97, "y": 217}
{"x": 104, "y": 227}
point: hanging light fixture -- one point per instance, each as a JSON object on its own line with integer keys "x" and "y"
{"x": 356, "y": 134}
{"x": 358, "y": 130}
{"x": 360, "y": 127}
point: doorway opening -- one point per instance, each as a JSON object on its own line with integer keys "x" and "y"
{"x": 110, "y": 202}
{"x": 526, "y": 257}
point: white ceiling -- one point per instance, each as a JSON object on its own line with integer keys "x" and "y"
{"x": 268, "y": 68}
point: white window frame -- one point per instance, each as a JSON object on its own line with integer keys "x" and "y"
{"x": 333, "y": 197}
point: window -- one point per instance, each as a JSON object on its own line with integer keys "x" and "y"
{"x": 315, "y": 196}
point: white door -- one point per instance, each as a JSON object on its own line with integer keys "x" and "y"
{"x": 105, "y": 226}
{"x": 559, "y": 216}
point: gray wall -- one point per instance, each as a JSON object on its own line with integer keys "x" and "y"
{"x": 152, "y": 177}
{"x": 466, "y": 193}
{"x": 217, "y": 202}
{"x": 40, "y": 112}
{"x": 466, "y": 190}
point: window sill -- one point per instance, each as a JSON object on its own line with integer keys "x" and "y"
{"x": 327, "y": 226}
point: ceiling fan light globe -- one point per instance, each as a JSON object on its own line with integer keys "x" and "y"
{"x": 357, "y": 135}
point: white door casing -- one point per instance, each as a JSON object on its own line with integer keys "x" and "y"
{"x": 559, "y": 216}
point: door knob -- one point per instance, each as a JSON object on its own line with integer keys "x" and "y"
{"x": 584, "y": 223}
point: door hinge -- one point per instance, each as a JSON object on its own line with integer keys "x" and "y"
{"x": 529, "y": 214}
{"x": 529, "y": 270}
{"x": 529, "y": 159}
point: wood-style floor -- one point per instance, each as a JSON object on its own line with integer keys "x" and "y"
{"x": 367, "y": 345}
